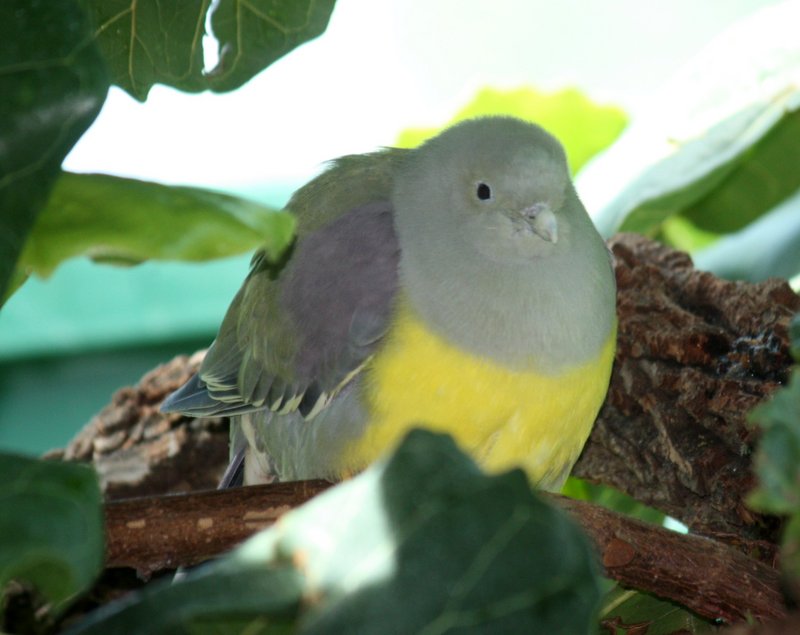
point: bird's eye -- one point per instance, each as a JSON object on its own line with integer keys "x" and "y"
{"x": 484, "y": 192}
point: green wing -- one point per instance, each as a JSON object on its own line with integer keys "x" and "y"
{"x": 300, "y": 329}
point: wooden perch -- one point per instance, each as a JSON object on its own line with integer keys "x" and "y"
{"x": 166, "y": 532}
{"x": 695, "y": 355}
{"x": 154, "y": 533}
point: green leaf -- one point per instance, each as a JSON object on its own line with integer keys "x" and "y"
{"x": 148, "y": 42}
{"x": 583, "y": 127}
{"x": 612, "y": 499}
{"x": 794, "y": 337}
{"x": 715, "y": 147}
{"x": 53, "y": 82}
{"x": 777, "y": 460}
{"x": 253, "y": 34}
{"x": 221, "y": 599}
{"x": 628, "y": 612}
{"x": 766, "y": 248}
{"x": 51, "y": 528}
{"x": 777, "y": 463}
{"x": 126, "y": 221}
{"x": 421, "y": 543}
{"x": 790, "y": 554}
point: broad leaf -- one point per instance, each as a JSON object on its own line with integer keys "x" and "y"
{"x": 583, "y": 127}
{"x": 51, "y": 527}
{"x": 149, "y": 42}
{"x": 777, "y": 460}
{"x": 768, "y": 247}
{"x": 717, "y": 146}
{"x": 777, "y": 463}
{"x": 127, "y": 221}
{"x": 612, "y": 499}
{"x": 422, "y": 543}
{"x": 628, "y": 612}
{"x": 53, "y": 82}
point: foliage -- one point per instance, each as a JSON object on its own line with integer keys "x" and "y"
{"x": 127, "y": 221}
{"x": 583, "y": 127}
{"x": 710, "y": 173}
{"x": 51, "y": 528}
{"x": 424, "y": 542}
{"x": 777, "y": 462}
{"x": 611, "y": 498}
{"x": 149, "y": 42}
{"x": 55, "y": 79}
{"x": 716, "y": 153}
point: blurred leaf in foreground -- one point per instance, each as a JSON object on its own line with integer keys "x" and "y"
{"x": 421, "y": 543}
{"x": 612, "y": 499}
{"x": 51, "y": 528}
{"x": 126, "y": 221}
{"x": 583, "y": 127}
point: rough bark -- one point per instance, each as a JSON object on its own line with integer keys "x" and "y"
{"x": 166, "y": 532}
{"x": 695, "y": 354}
{"x": 138, "y": 451}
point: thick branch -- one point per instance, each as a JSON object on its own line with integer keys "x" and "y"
{"x": 711, "y": 579}
{"x": 171, "y": 531}
{"x": 695, "y": 355}
{"x": 166, "y": 532}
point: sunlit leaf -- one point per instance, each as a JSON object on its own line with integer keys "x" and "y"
{"x": 768, "y": 247}
{"x": 51, "y": 527}
{"x": 422, "y": 543}
{"x": 52, "y": 84}
{"x": 612, "y": 499}
{"x": 127, "y": 221}
{"x": 777, "y": 460}
{"x": 583, "y": 127}
{"x": 629, "y": 612}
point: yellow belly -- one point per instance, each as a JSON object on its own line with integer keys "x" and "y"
{"x": 502, "y": 418}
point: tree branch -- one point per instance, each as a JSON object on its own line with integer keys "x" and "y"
{"x": 150, "y": 534}
{"x": 695, "y": 354}
{"x": 712, "y": 579}
{"x": 166, "y": 532}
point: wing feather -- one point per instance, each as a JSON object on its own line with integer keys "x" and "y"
{"x": 293, "y": 337}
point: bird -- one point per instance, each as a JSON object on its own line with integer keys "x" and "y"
{"x": 459, "y": 286}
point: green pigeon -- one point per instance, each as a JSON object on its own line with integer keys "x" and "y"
{"x": 459, "y": 286}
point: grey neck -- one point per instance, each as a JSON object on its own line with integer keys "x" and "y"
{"x": 549, "y": 314}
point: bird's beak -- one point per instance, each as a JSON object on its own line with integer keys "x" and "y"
{"x": 542, "y": 221}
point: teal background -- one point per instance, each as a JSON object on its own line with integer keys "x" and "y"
{"x": 69, "y": 342}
